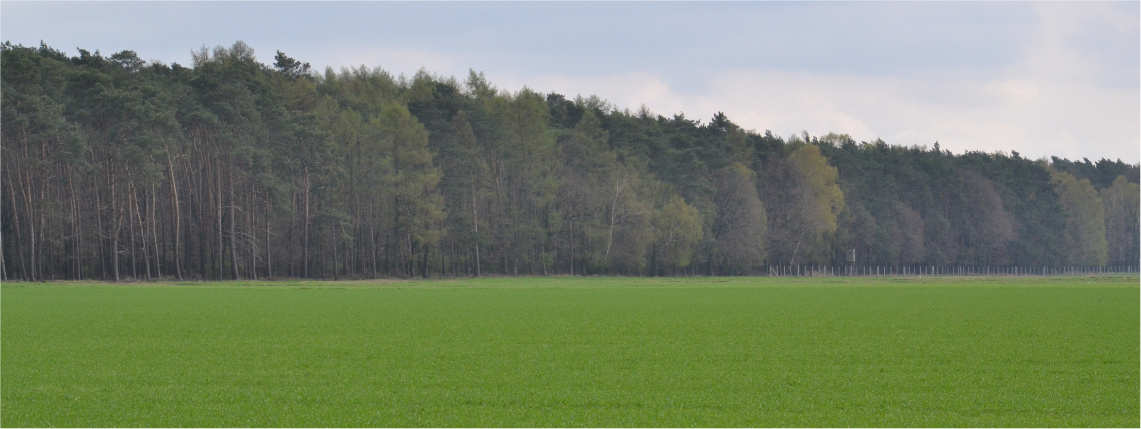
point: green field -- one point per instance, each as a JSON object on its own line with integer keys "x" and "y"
{"x": 574, "y": 352}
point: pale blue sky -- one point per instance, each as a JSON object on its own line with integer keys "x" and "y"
{"x": 1039, "y": 78}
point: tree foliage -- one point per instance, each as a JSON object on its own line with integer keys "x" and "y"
{"x": 117, "y": 168}
{"x": 1122, "y": 202}
{"x": 1084, "y": 214}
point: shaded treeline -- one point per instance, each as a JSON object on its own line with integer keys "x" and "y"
{"x": 116, "y": 168}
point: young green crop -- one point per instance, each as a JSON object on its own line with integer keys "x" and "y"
{"x": 575, "y": 352}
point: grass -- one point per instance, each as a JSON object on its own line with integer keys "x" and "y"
{"x": 565, "y": 351}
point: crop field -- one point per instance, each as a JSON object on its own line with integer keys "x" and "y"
{"x": 562, "y": 351}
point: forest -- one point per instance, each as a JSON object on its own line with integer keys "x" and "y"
{"x": 116, "y": 168}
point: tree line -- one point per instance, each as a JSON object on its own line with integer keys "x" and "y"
{"x": 115, "y": 168}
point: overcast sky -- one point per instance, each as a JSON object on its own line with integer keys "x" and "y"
{"x": 1042, "y": 79}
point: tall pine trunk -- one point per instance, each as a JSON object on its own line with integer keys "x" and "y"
{"x": 177, "y": 217}
{"x": 305, "y": 234}
{"x": 233, "y": 235}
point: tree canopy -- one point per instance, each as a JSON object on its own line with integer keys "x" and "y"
{"x": 117, "y": 168}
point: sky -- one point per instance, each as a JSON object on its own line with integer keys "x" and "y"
{"x": 1040, "y": 78}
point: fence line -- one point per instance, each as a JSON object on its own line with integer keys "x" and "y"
{"x": 943, "y": 271}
